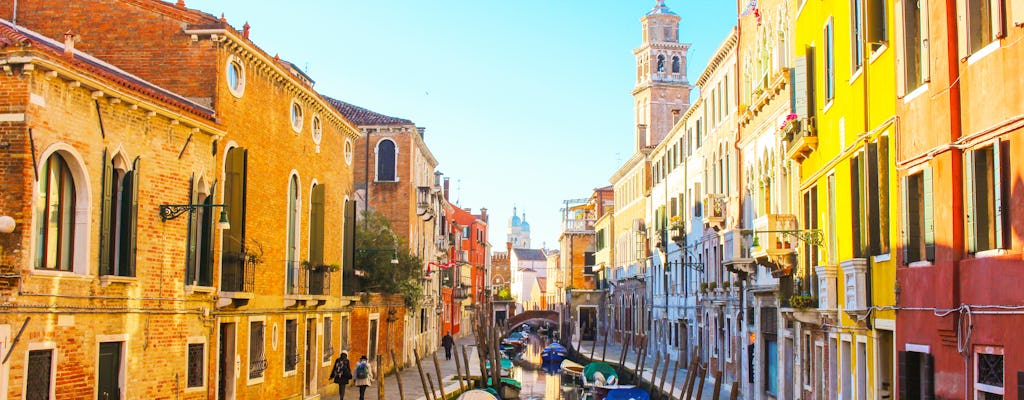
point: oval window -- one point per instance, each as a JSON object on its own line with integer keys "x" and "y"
{"x": 317, "y": 129}
{"x": 296, "y": 116}
{"x": 235, "y": 77}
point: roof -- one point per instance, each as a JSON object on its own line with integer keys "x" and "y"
{"x": 362, "y": 116}
{"x": 543, "y": 283}
{"x": 530, "y": 254}
{"x": 17, "y": 36}
{"x": 660, "y": 8}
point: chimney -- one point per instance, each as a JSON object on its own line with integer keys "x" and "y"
{"x": 180, "y": 3}
{"x": 69, "y": 43}
{"x": 483, "y": 213}
{"x": 421, "y": 130}
{"x": 446, "y": 188}
{"x": 245, "y": 30}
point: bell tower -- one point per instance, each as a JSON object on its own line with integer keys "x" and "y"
{"x": 662, "y": 91}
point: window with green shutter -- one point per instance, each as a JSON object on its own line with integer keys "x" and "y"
{"x": 918, "y": 233}
{"x": 118, "y": 215}
{"x": 233, "y": 242}
{"x": 985, "y": 186}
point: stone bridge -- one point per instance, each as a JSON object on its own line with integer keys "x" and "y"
{"x": 531, "y": 315}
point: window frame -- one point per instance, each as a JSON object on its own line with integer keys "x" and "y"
{"x": 42, "y": 346}
{"x": 316, "y": 129}
{"x": 250, "y": 380}
{"x": 998, "y": 165}
{"x": 290, "y": 321}
{"x": 978, "y": 387}
{"x": 297, "y": 115}
{"x": 80, "y": 220}
{"x": 238, "y": 90}
{"x": 327, "y": 340}
{"x": 377, "y": 161}
{"x": 348, "y": 151}
{"x": 204, "y": 371}
{"x": 829, "y": 63}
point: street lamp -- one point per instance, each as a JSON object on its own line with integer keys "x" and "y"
{"x": 394, "y": 253}
{"x": 172, "y": 211}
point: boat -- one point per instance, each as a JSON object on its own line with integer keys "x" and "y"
{"x": 509, "y": 388}
{"x": 626, "y": 393}
{"x": 599, "y": 374}
{"x": 505, "y": 364}
{"x": 572, "y": 369}
{"x": 554, "y": 353}
{"x": 479, "y": 394}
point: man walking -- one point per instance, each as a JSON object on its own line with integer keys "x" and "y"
{"x": 447, "y": 342}
{"x": 341, "y": 373}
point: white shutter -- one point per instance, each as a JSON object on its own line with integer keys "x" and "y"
{"x": 962, "y": 29}
{"x": 926, "y": 56}
{"x": 901, "y": 46}
{"x": 799, "y": 87}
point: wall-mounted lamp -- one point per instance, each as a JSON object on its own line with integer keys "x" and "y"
{"x": 172, "y": 211}
{"x": 7, "y": 224}
{"x": 394, "y": 253}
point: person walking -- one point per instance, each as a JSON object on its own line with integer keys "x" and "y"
{"x": 363, "y": 376}
{"x": 447, "y": 342}
{"x": 341, "y": 373}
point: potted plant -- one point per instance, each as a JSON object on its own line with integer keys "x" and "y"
{"x": 726, "y": 285}
{"x": 801, "y": 301}
{"x": 712, "y": 286}
{"x": 320, "y": 267}
{"x": 703, "y": 288}
{"x": 676, "y": 225}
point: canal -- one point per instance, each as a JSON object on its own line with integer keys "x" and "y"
{"x": 541, "y": 381}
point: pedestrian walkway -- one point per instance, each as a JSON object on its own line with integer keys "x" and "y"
{"x": 412, "y": 386}
{"x": 614, "y": 352}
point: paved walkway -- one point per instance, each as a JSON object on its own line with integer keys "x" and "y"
{"x": 614, "y": 351}
{"x": 412, "y": 386}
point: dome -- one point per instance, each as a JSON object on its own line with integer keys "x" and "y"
{"x": 516, "y": 221}
{"x": 526, "y": 226}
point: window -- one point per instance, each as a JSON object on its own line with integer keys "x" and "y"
{"x": 856, "y": 34}
{"x": 372, "y": 338}
{"x": 119, "y": 211}
{"x": 348, "y": 152}
{"x": 661, "y": 63}
{"x": 199, "y": 258}
{"x": 914, "y": 55}
{"x": 343, "y": 326}
{"x": 810, "y": 251}
{"x": 916, "y": 375}
{"x": 297, "y": 117}
{"x": 257, "y": 351}
{"x": 196, "y": 365}
{"x": 985, "y": 177}
{"x": 55, "y": 216}
{"x": 675, "y": 64}
{"x": 386, "y": 157}
{"x": 233, "y": 250}
{"x": 292, "y": 247}
{"x": 39, "y": 378}
{"x": 988, "y": 373}
{"x": 317, "y": 129}
{"x": 291, "y": 350}
{"x": 235, "y": 76}
{"x": 918, "y": 222}
{"x": 830, "y": 65}
{"x": 833, "y": 244}
{"x": 769, "y": 332}
{"x": 328, "y": 340}
{"x": 877, "y": 32}
{"x": 869, "y": 177}
{"x": 981, "y": 22}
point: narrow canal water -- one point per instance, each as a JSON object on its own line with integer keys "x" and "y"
{"x": 541, "y": 381}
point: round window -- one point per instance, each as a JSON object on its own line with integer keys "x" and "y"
{"x": 235, "y": 76}
{"x": 348, "y": 152}
{"x": 317, "y": 129}
{"x": 296, "y": 116}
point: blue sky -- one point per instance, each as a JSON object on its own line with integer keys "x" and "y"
{"x": 526, "y": 102}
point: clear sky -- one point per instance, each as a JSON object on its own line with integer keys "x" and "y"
{"x": 526, "y": 102}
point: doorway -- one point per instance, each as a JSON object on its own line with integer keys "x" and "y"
{"x": 226, "y": 362}
{"x": 108, "y": 385}
{"x": 311, "y": 388}
{"x": 588, "y": 323}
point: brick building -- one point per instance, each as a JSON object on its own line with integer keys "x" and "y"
{"x": 462, "y": 285}
{"x": 269, "y": 317}
{"x": 395, "y": 175}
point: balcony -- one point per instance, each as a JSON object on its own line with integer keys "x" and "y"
{"x": 801, "y": 137}
{"x": 237, "y": 279}
{"x": 423, "y": 203}
{"x": 774, "y": 245}
{"x": 715, "y": 207}
{"x": 308, "y": 282}
{"x": 855, "y": 286}
{"x": 578, "y": 226}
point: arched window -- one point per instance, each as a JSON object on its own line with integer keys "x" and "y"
{"x": 292, "y": 246}
{"x": 55, "y": 213}
{"x": 386, "y": 155}
{"x": 119, "y": 210}
{"x": 233, "y": 252}
{"x": 675, "y": 64}
{"x": 661, "y": 63}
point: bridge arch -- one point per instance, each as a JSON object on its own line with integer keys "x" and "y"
{"x": 519, "y": 319}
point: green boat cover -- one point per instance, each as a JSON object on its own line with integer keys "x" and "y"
{"x": 505, "y": 363}
{"x": 602, "y": 367}
{"x": 507, "y": 381}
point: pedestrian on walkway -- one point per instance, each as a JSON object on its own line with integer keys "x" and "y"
{"x": 364, "y": 376}
{"x": 341, "y": 373}
{"x": 447, "y": 342}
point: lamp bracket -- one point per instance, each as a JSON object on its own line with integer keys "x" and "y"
{"x": 172, "y": 211}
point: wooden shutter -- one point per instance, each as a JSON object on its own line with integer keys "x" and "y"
{"x": 1017, "y": 12}
{"x": 962, "y": 29}
{"x": 929, "y": 217}
{"x": 901, "y": 372}
{"x": 999, "y": 166}
{"x": 907, "y": 219}
{"x": 205, "y": 263}
{"x": 901, "y": 47}
{"x": 969, "y": 206}
{"x": 349, "y": 282}
{"x": 133, "y": 210}
{"x": 316, "y": 226}
{"x": 106, "y": 209}
{"x": 809, "y": 74}
{"x": 800, "y": 86}
{"x": 926, "y": 56}
{"x": 997, "y": 11}
{"x": 190, "y": 247}
{"x": 927, "y": 376}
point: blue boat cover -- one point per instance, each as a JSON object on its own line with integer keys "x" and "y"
{"x": 627, "y": 394}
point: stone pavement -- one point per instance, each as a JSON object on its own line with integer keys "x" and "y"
{"x": 412, "y": 386}
{"x": 614, "y": 351}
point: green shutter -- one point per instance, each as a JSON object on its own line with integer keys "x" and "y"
{"x": 969, "y": 206}
{"x": 998, "y": 166}
{"x": 190, "y": 269}
{"x": 133, "y": 220}
{"x": 929, "y": 215}
{"x": 316, "y": 226}
{"x": 906, "y": 220}
{"x": 106, "y": 209}
{"x": 349, "y": 283}
{"x": 205, "y": 265}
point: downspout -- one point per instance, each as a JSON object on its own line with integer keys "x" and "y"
{"x": 956, "y": 168}
{"x": 865, "y": 60}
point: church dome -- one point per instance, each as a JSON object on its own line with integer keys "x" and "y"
{"x": 525, "y": 226}
{"x": 516, "y": 221}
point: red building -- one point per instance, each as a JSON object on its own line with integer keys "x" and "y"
{"x": 463, "y": 282}
{"x": 961, "y": 112}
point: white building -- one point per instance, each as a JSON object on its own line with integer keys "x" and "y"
{"x": 526, "y": 266}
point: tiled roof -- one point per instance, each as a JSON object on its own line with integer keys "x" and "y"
{"x": 11, "y": 35}
{"x": 530, "y": 254}
{"x": 362, "y": 116}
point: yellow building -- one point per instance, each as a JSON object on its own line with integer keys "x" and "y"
{"x": 843, "y": 138}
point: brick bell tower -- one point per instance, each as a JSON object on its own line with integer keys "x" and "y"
{"x": 661, "y": 86}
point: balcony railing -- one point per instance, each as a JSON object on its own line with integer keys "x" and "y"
{"x": 238, "y": 274}
{"x": 578, "y": 225}
{"x": 775, "y": 243}
{"x": 801, "y": 138}
{"x": 308, "y": 281}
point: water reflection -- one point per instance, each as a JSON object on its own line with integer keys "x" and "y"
{"x": 540, "y": 380}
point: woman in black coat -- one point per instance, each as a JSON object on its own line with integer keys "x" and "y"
{"x": 341, "y": 373}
